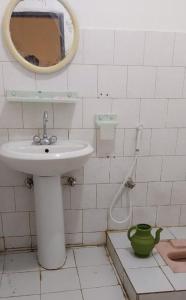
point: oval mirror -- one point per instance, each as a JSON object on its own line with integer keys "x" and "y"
{"x": 42, "y": 35}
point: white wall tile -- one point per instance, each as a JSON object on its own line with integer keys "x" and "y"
{"x": 144, "y": 214}
{"x": 153, "y": 113}
{"x": 7, "y": 203}
{"x": 33, "y": 242}
{"x": 159, "y": 48}
{"x": 18, "y": 78}
{"x": 33, "y": 115}
{"x": 138, "y": 195}
{"x": 183, "y": 215}
{"x": 169, "y": 83}
{"x": 94, "y": 220}
{"x": 83, "y": 197}
{"x": 174, "y": 168}
{"x": 98, "y": 46}
{"x": 10, "y": 115}
{"x": 105, "y": 195}
{"x": 119, "y": 168}
{"x": 1, "y": 80}
{"x": 68, "y": 115}
{"x": 78, "y": 175}
{"x": 3, "y": 136}
{"x": 9, "y": 177}
{"x": 163, "y": 141}
{"x": 55, "y": 82}
{"x": 148, "y": 169}
{"x": 73, "y": 221}
{"x": 141, "y": 82}
{"x": 97, "y": 170}
{"x": 1, "y": 226}
{"x": 22, "y": 134}
{"x": 62, "y": 134}
{"x": 66, "y": 197}
{"x": 176, "y": 113}
{"x": 127, "y": 112}
{"x": 74, "y": 238}
{"x": 24, "y": 199}
{"x": 32, "y": 223}
{"x": 180, "y": 50}
{"x": 178, "y": 193}
{"x": 119, "y": 214}
{"x": 88, "y": 135}
{"x": 17, "y": 242}
{"x": 181, "y": 142}
{"x": 82, "y": 79}
{"x": 111, "y": 147}
{"x": 5, "y": 55}
{"x": 91, "y": 107}
{"x": 167, "y": 213}
{"x": 2, "y": 246}
{"x": 131, "y": 139}
{"x": 159, "y": 193}
{"x": 112, "y": 81}
{"x": 129, "y": 47}
{"x": 78, "y": 58}
{"x": 94, "y": 238}
{"x": 16, "y": 224}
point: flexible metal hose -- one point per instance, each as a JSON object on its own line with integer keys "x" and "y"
{"x": 123, "y": 185}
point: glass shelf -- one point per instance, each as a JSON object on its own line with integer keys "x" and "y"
{"x": 41, "y": 97}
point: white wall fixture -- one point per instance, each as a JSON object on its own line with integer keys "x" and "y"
{"x": 107, "y": 124}
{"x": 47, "y": 163}
{"x": 55, "y": 39}
{"x": 41, "y": 97}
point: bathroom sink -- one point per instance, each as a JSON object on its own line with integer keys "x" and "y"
{"x": 47, "y": 164}
{"x": 40, "y": 160}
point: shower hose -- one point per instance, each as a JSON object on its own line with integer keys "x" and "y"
{"x": 127, "y": 178}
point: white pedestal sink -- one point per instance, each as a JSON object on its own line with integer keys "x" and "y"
{"x": 47, "y": 164}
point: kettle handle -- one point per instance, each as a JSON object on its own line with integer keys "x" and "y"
{"x": 129, "y": 232}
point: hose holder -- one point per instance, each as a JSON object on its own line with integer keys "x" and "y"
{"x": 130, "y": 183}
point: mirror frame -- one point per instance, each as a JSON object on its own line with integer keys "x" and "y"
{"x": 9, "y": 43}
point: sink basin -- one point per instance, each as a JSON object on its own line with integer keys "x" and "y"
{"x": 52, "y": 160}
{"x": 47, "y": 164}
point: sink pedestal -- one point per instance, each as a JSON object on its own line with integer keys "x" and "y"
{"x": 49, "y": 222}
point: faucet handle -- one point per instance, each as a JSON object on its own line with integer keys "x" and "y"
{"x": 36, "y": 139}
{"x": 45, "y": 116}
{"x": 53, "y": 139}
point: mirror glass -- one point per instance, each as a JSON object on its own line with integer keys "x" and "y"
{"x": 42, "y": 31}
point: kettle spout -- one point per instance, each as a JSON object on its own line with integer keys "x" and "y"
{"x": 157, "y": 237}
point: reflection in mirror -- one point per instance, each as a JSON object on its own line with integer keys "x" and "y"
{"x": 42, "y": 31}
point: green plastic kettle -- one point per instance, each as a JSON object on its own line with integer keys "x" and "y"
{"x": 142, "y": 241}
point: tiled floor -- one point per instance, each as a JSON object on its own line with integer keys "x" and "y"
{"x": 149, "y": 278}
{"x": 87, "y": 275}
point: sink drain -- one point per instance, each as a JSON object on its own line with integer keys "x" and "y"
{"x": 47, "y": 150}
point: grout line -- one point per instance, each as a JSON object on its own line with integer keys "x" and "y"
{"x": 144, "y": 47}
{"x": 173, "y": 50}
{"x": 78, "y": 273}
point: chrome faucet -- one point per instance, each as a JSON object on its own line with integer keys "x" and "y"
{"x": 44, "y": 140}
{"x": 45, "y": 120}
